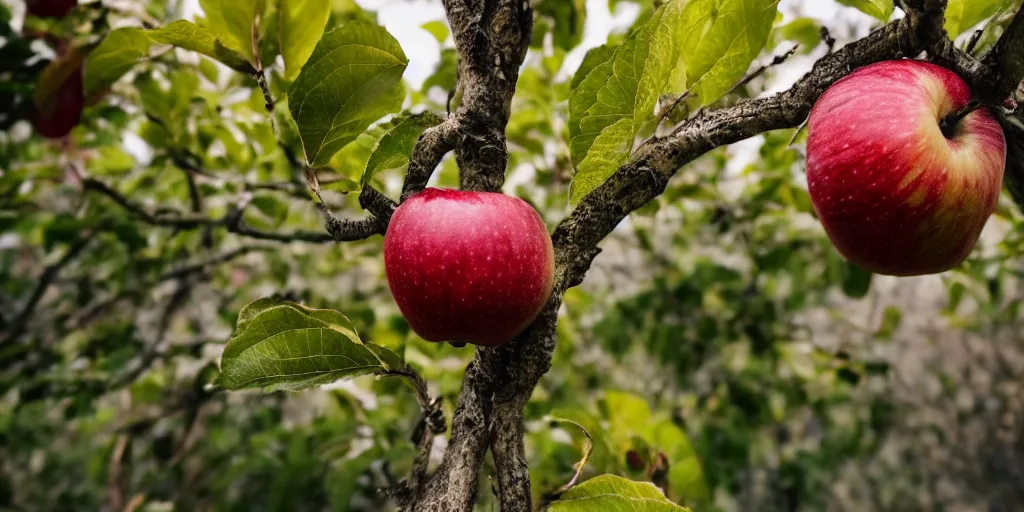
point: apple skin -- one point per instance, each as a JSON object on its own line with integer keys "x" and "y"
{"x": 51, "y": 8}
{"x": 468, "y": 267}
{"x": 894, "y": 194}
{"x": 66, "y": 110}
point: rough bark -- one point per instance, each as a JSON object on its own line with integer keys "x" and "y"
{"x": 491, "y": 38}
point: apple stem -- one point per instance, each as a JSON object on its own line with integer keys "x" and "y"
{"x": 949, "y": 124}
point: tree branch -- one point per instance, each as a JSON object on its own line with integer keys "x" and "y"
{"x": 232, "y": 221}
{"x": 49, "y": 275}
{"x": 430, "y": 149}
{"x": 347, "y": 230}
{"x": 499, "y": 380}
{"x": 431, "y": 423}
{"x": 491, "y": 39}
{"x": 84, "y": 316}
{"x": 1007, "y": 58}
{"x": 378, "y": 204}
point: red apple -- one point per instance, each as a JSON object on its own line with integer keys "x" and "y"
{"x": 468, "y": 267}
{"x": 50, "y": 8}
{"x": 58, "y": 118}
{"x": 895, "y": 194}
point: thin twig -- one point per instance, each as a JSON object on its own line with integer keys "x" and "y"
{"x": 268, "y": 98}
{"x": 377, "y": 203}
{"x": 343, "y": 230}
{"x": 49, "y": 275}
{"x": 430, "y": 424}
{"x": 827, "y": 38}
{"x": 778, "y": 59}
{"x": 588, "y": 449}
{"x": 173, "y": 218}
{"x": 155, "y": 349}
{"x": 685, "y": 96}
{"x": 86, "y": 315}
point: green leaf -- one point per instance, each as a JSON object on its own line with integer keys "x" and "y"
{"x": 588, "y": 445}
{"x": 250, "y": 310}
{"x": 702, "y": 45}
{"x": 209, "y": 70}
{"x": 300, "y": 25}
{"x": 805, "y": 31}
{"x": 880, "y": 9}
{"x": 604, "y": 457}
{"x": 438, "y": 29}
{"x": 115, "y": 56}
{"x": 962, "y": 15}
{"x": 605, "y": 107}
{"x": 352, "y": 79}
{"x": 856, "y": 281}
{"x": 392, "y": 150}
{"x": 686, "y": 473}
{"x": 188, "y": 35}
{"x": 594, "y": 57}
{"x": 891, "y": 319}
{"x": 275, "y": 209}
{"x": 609, "y": 493}
{"x": 956, "y": 295}
{"x": 111, "y": 160}
{"x": 234, "y": 22}
{"x": 283, "y": 345}
{"x": 565, "y": 19}
{"x": 629, "y": 413}
{"x": 343, "y": 185}
{"x": 444, "y": 74}
{"x": 723, "y": 38}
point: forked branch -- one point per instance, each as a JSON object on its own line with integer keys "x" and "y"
{"x": 499, "y": 380}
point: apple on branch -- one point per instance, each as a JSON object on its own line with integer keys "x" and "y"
{"x": 901, "y": 186}
{"x": 468, "y": 267}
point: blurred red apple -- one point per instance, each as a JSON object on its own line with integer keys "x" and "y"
{"x": 50, "y": 8}
{"x": 468, "y": 267}
{"x": 896, "y": 194}
{"x": 63, "y": 109}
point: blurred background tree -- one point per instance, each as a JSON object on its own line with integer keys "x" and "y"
{"x": 719, "y": 347}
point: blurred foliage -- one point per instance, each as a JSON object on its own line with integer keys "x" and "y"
{"x": 719, "y": 349}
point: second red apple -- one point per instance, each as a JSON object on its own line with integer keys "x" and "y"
{"x": 898, "y": 195}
